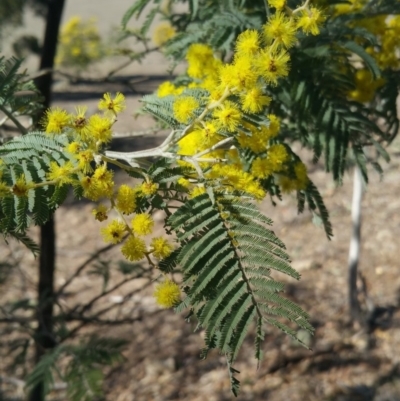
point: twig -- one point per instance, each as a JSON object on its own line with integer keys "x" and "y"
{"x": 22, "y": 129}
{"x": 135, "y": 133}
{"x": 88, "y": 305}
{"x": 105, "y": 310}
{"x": 82, "y": 267}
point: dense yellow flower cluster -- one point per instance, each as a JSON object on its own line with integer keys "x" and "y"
{"x": 237, "y": 90}
{"x": 167, "y": 294}
{"x": 88, "y": 171}
{"x": 365, "y": 86}
{"x": 387, "y": 30}
{"x": 79, "y": 43}
{"x": 163, "y": 32}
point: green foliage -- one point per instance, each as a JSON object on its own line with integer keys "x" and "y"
{"x": 321, "y": 116}
{"x": 18, "y": 95}
{"x": 312, "y": 101}
{"x": 217, "y": 23}
{"x": 227, "y": 255}
{"x": 83, "y": 373}
{"x": 30, "y": 156}
{"x": 161, "y": 108}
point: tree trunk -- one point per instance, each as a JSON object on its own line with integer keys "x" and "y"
{"x": 355, "y": 244}
{"x": 44, "y": 333}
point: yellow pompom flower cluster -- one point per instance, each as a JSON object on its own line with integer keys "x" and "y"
{"x": 99, "y": 184}
{"x": 388, "y": 30}
{"x": 236, "y": 90}
{"x": 134, "y": 248}
{"x": 248, "y": 43}
{"x": 55, "y": 120}
{"x": 142, "y": 224}
{"x": 148, "y": 188}
{"x": 167, "y": 294}
{"x": 79, "y": 43}
{"x": 184, "y": 108}
{"x": 202, "y": 63}
{"x": 254, "y": 100}
{"x": 273, "y": 163}
{"x": 161, "y": 248}
{"x": 125, "y": 200}
{"x": 298, "y": 182}
{"x": 309, "y": 20}
{"x": 385, "y": 27}
{"x": 366, "y": 86}
{"x": 100, "y": 214}
{"x": 197, "y": 191}
{"x": 202, "y": 137}
{"x": 231, "y": 177}
{"x": 100, "y": 128}
{"x": 163, "y": 32}
{"x": 21, "y": 187}
{"x": 114, "y": 232}
{"x": 112, "y": 106}
{"x": 228, "y": 116}
{"x": 89, "y": 135}
{"x": 260, "y": 136}
{"x": 168, "y": 88}
{"x": 281, "y": 30}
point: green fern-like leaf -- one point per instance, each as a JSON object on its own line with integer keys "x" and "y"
{"x": 43, "y": 372}
{"x": 30, "y": 156}
{"x": 316, "y": 204}
{"x": 25, "y": 240}
{"x": 227, "y": 256}
{"x": 18, "y": 95}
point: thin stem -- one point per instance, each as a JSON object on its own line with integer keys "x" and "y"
{"x": 303, "y": 7}
{"x": 82, "y": 267}
{"x": 214, "y": 147}
{"x": 123, "y": 166}
{"x": 267, "y": 13}
{"x": 14, "y": 120}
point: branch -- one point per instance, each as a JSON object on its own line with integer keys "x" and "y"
{"x": 135, "y": 134}
{"x": 214, "y": 147}
{"x": 85, "y": 321}
{"x": 130, "y": 157}
{"x": 10, "y": 116}
{"x": 88, "y": 305}
{"x": 82, "y": 267}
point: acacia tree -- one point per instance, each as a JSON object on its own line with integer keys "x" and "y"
{"x": 341, "y": 82}
{"x": 260, "y": 76}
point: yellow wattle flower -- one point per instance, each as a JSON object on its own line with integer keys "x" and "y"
{"x": 114, "y": 232}
{"x": 248, "y": 43}
{"x": 21, "y": 186}
{"x": 161, "y": 247}
{"x": 143, "y": 224}
{"x": 125, "y": 200}
{"x": 55, "y": 120}
{"x": 100, "y": 214}
{"x": 113, "y": 105}
{"x": 163, "y": 32}
{"x": 184, "y": 108}
{"x": 167, "y": 294}
{"x": 134, "y": 248}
